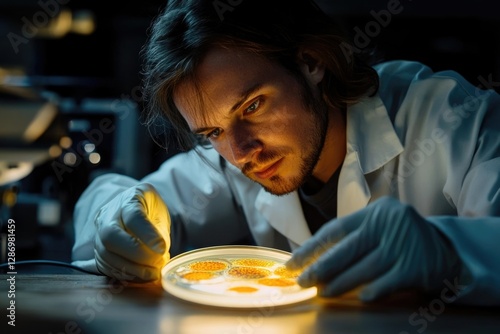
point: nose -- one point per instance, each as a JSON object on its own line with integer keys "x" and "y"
{"x": 243, "y": 145}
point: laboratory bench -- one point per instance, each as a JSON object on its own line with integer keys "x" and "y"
{"x": 69, "y": 301}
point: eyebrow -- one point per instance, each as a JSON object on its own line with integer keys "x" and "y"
{"x": 243, "y": 97}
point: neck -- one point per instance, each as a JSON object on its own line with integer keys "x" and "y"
{"x": 334, "y": 148}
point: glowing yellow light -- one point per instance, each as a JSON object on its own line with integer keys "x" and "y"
{"x": 83, "y": 22}
{"x": 65, "y": 142}
{"x": 266, "y": 320}
{"x": 58, "y": 26}
{"x": 55, "y": 151}
{"x": 80, "y": 22}
{"x": 40, "y": 122}
{"x": 9, "y": 198}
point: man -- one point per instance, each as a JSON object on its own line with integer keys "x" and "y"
{"x": 383, "y": 176}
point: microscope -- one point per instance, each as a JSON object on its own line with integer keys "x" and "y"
{"x": 30, "y": 135}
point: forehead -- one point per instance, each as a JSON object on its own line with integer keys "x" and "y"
{"x": 219, "y": 81}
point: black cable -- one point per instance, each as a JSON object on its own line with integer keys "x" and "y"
{"x": 47, "y": 262}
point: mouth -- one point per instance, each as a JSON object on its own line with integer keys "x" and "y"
{"x": 269, "y": 170}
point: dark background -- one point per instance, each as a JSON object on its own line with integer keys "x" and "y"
{"x": 91, "y": 72}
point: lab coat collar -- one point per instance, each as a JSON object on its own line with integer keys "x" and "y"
{"x": 370, "y": 133}
{"x": 284, "y": 214}
{"x": 371, "y": 143}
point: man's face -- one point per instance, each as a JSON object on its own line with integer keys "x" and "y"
{"x": 255, "y": 115}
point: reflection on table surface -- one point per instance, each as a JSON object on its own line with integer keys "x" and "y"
{"x": 75, "y": 303}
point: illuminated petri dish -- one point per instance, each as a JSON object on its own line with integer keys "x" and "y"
{"x": 234, "y": 276}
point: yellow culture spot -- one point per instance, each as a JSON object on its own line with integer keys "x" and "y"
{"x": 286, "y": 273}
{"x": 276, "y": 282}
{"x": 198, "y": 276}
{"x": 254, "y": 262}
{"x": 248, "y": 272}
{"x": 243, "y": 289}
{"x": 208, "y": 266}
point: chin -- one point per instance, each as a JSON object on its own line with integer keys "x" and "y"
{"x": 280, "y": 187}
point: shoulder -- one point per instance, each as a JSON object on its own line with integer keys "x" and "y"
{"x": 395, "y": 79}
{"x": 397, "y": 76}
{"x": 406, "y": 73}
{"x": 401, "y": 80}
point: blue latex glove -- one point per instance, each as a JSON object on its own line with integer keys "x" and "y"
{"x": 387, "y": 245}
{"x": 133, "y": 235}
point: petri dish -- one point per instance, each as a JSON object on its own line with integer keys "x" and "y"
{"x": 235, "y": 277}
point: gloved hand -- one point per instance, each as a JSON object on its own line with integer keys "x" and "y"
{"x": 133, "y": 235}
{"x": 386, "y": 245}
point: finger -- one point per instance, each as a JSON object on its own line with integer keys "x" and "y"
{"x": 383, "y": 286}
{"x": 114, "y": 239}
{"x": 341, "y": 256}
{"x": 136, "y": 223}
{"x": 314, "y": 247}
{"x": 123, "y": 268}
{"x": 365, "y": 270}
{"x": 156, "y": 210}
{"x": 325, "y": 238}
{"x": 337, "y": 259}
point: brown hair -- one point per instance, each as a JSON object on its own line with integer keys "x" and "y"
{"x": 276, "y": 29}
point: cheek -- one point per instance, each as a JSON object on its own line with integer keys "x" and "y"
{"x": 287, "y": 122}
{"x": 223, "y": 150}
{"x": 280, "y": 119}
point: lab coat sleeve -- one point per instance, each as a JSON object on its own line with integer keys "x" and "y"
{"x": 475, "y": 231}
{"x": 475, "y": 234}
{"x": 201, "y": 202}
{"x": 476, "y": 241}
{"x": 103, "y": 189}
{"x": 196, "y": 192}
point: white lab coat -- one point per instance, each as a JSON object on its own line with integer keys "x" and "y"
{"x": 429, "y": 139}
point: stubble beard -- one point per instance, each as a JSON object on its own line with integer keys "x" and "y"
{"x": 319, "y": 112}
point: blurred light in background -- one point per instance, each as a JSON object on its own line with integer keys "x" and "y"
{"x": 94, "y": 158}
{"x": 89, "y": 147}
{"x": 55, "y": 151}
{"x": 80, "y": 22}
{"x": 65, "y": 142}
{"x": 70, "y": 159}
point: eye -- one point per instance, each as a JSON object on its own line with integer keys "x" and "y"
{"x": 253, "y": 107}
{"x": 214, "y": 134}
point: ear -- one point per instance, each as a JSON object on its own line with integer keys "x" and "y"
{"x": 310, "y": 65}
